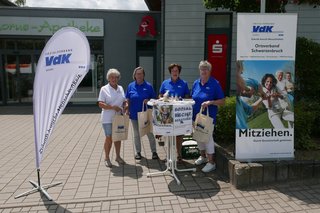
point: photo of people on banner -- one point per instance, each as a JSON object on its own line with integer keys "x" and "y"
{"x": 265, "y": 94}
{"x": 172, "y": 118}
{"x": 163, "y": 114}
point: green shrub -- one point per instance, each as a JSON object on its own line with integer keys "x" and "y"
{"x": 307, "y": 71}
{"x": 307, "y": 87}
{"x": 226, "y": 122}
{"x": 303, "y": 122}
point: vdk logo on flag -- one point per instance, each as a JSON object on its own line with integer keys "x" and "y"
{"x": 60, "y": 59}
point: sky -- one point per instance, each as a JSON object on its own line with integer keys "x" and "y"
{"x": 90, "y": 4}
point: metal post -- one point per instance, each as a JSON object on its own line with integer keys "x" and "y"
{"x": 38, "y": 171}
{"x": 262, "y": 6}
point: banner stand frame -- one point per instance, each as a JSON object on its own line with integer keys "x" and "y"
{"x": 39, "y": 188}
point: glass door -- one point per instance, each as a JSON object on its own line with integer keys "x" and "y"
{"x": 146, "y": 58}
{"x": 26, "y": 78}
{"x": 18, "y": 78}
{"x": 11, "y": 78}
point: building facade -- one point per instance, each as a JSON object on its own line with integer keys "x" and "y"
{"x": 117, "y": 40}
{"x": 185, "y": 33}
{"x": 193, "y": 33}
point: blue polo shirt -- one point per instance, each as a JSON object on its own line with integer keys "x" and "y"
{"x": 208, "y": 92}
{"x": 243, "y": 110}
{"x": 178, "y": 88}
{"x": 136, "y": 94}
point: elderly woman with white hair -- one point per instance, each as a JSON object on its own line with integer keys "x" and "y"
{"x": 111, "y": 100}
{"x": 207, "y": 94}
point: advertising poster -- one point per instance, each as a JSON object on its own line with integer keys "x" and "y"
{"x": 265, "y": 86}
{"x": 172, "y": 119}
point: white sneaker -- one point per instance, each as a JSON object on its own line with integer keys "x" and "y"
{"x": 209, "y": 167}
{"x": 200, "y": 160}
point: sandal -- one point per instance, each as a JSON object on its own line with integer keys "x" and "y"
{"x": 120, "y": 160}
{"x": 108, "y": 163}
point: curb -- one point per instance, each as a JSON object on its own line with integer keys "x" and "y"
{"x": 242, "y": 175}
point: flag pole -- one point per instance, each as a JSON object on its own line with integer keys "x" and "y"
{"x": 38, "y": 188}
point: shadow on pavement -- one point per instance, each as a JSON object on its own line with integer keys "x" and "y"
{"x": 195, "y": 185}
{"x": 52, "y": 206}
{"x": 127, "y": 170}
{"x": 152, "y": 164}
{"x": 306, "y": 191}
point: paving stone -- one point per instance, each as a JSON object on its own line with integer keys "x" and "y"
{"x": 241, "y": 175}
{"x": 75, "y": 155}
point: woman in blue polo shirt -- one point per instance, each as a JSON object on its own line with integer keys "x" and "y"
{"x": 177, "y": 88}
{"x": 207, "y": 93}
{"x": 139, "y": 91}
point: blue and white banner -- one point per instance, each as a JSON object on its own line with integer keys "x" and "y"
{"x": 62, "y": 65}
{"x": 265, "y": 86}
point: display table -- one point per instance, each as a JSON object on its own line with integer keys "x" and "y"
{"x": 171, "y": 118}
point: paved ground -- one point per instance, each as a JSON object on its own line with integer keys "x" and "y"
{"x": 75, "y": 157}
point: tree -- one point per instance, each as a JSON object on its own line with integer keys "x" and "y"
{"x": 20, "y": 3}
{"x": 272, "y": 6}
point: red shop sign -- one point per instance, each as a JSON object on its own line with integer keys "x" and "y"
{"x": 147, "y": 26}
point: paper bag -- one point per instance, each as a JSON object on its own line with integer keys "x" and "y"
{"x": 120, "y": 127}
{"x": 150, "y": 119}
{"x": 203, "y": 127}
{"x": 143, "y": 122}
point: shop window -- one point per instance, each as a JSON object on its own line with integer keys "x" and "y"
{"x": 39, "y": 44}
{"x": 9, "y": 44}
{"x": 25, "y": 45}
{"x": 96, "y": 45}
{"x": 100, "y": 71}
{"x": 94, "y": 79}
{"x": 1, "y": 44}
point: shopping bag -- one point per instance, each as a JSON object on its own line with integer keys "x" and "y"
{"x": 143, "y": 122}
{"x": 150, "y": 117}
{"x": 203, "y": 127}
{"x": 120, "y": 127}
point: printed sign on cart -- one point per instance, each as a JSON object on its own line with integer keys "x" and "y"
{"x": 170, "y": 119}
